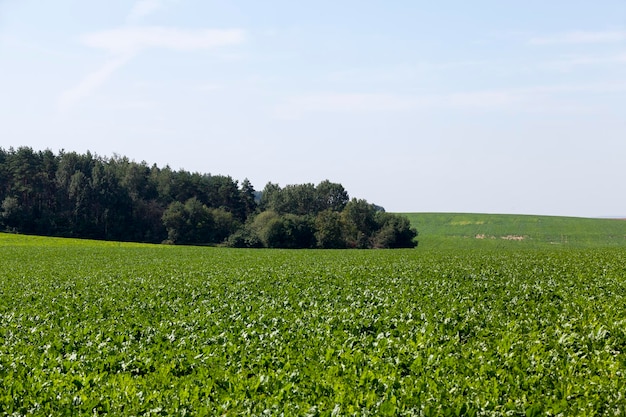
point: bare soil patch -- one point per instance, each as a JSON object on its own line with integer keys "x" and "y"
{"x": 512, "y": 237}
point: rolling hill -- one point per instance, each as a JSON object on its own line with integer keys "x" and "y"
{"x": 441, "y": 230}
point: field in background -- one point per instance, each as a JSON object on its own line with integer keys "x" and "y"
{"x": 458, "y": 230}
{"x": 89, "y": 328}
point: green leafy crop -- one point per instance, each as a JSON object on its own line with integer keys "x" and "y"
{"x": 103, "y": 329}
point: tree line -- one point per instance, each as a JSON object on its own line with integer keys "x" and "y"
{"x": 87, "y": 196}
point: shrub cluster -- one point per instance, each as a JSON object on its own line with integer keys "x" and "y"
{"x": 346, "y": 224}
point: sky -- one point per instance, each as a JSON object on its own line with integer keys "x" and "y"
{"x": 487, "y": 106}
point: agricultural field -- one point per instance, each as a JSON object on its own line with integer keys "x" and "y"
{"x": 474, "y": 230}
{"x": 93, "y": 328}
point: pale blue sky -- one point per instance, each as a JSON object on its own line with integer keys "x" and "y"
{"x": 482, "y": 106}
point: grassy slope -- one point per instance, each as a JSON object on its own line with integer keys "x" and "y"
{"x": 11, "y": 239}
{"x": 440, "y": 230}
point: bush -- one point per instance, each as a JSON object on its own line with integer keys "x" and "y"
{"x": 395, "y": 232}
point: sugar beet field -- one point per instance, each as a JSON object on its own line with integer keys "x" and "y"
{"x": 90, "y": 328}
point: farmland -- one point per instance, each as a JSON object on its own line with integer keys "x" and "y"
{"x": 94, "y": 328}
{"x": 475, "y": 230}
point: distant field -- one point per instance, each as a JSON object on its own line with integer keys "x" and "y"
{"x": 458, "y": 230}
{"x": 101, "y": 328}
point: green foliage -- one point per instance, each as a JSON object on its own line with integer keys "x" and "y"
{"x": 87, "y": 196}
{"x": 360, "y": 221}
{"x": 248, "y": 199}
{"x": 244, "y": 237}
{"x": 11, "y": 211}
{"x": 282, "y": 231}
{"x": 306, "y": 216}
{"x": 329, "y": 230}
{"x": 224, "y": 224}
{"x": 366, "y": 226}
{"x": 89, "y": 328}
{"x": 299, "y": 231}
{"x": 195, "y": 223}
{"x": 298, "y": 199}
{"x": 394, "y": 232}
{"x": 175, "y": 220}
{"x": 267, "y": 226}
{"x": 331, "y": 196}
{"x": 359, "y": 225}
{"x": 304, "y": 199}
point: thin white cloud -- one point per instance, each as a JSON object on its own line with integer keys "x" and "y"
{"x": 133, "y": 39}
{"x": 210, "y": 87}
{"x": 136, "y": 105}
{"x": 90, "y": 82}
{"x": 593, "y": 88}
{"x": 580, "y": 37}
{"x": 572, "y": 62}
{"x": 476, "y": 99}
{"x": 299, "y": 106}
{"x": 524, "y": 99}
{"x": 296, "y": 107}
{"x": 143, "y": 8}
{"x": 125, "y": 43}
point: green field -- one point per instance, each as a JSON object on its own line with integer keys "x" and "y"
{"x": 93, "y": 328}
{"x": 458, "y": 230}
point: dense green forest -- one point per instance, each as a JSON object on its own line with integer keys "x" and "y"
{"x": 84, "y": 195}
